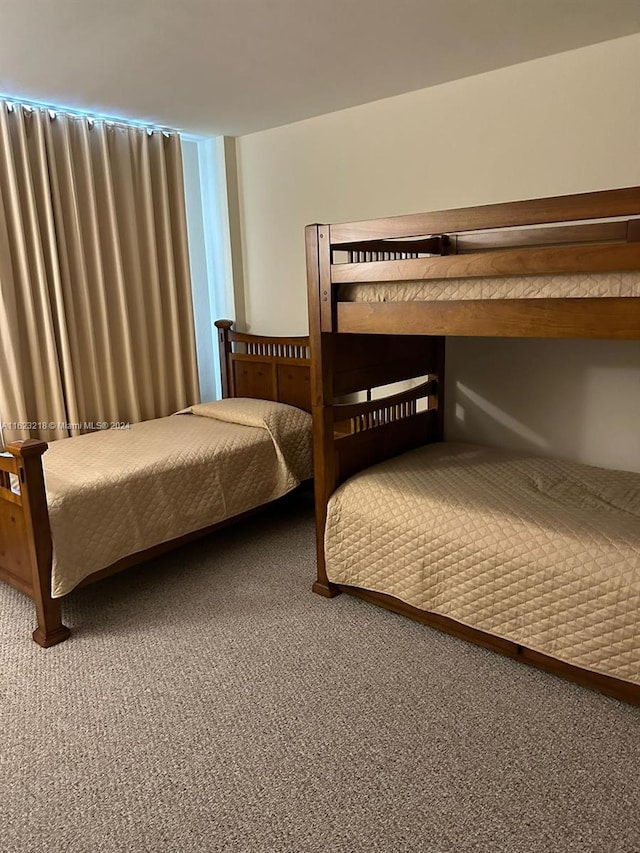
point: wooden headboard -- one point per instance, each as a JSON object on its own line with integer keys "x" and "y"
{"x": 268, "y": 368}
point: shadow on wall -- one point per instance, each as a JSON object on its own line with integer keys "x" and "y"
{"x": 574, "y": 399}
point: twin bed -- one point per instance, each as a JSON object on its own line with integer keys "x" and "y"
{"x": 533, "y": 557}
{"x": 98, "y": 503}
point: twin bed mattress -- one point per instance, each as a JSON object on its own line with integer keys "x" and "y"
{"x": 114, "y": 493}
{"x": 574, "y": 286}
{"x": 542, "y": 552}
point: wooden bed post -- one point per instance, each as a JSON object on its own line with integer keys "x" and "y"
{"x": 50, "y": 629}
{"x": 441, "y": 371}
{"x": 224, "y": 350}
{"x": 324, "y": 461}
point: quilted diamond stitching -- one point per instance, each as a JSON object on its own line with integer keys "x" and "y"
{"x": 114, "y": 493}
{"x": 576, "y": 285}
{"x": 542, "y": 552}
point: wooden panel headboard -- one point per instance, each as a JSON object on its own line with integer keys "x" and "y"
{"x": 268, "y": 368}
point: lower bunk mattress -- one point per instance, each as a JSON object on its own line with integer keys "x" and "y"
{"x": 542, "y": 552}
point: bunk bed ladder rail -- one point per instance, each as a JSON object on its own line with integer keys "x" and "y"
{"x": 384, "y": 415}
{"x": 380, "y": 429}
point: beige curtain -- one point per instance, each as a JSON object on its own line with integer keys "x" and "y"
{"x": 96, "y": 317}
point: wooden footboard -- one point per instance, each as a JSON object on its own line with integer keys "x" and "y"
{"x": 25, "y": 536}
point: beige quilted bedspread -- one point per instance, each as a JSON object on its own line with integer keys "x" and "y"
{"x": 574, "y": 286}
{"x": 117, "y": 492}
{"x": 543, "y": 552}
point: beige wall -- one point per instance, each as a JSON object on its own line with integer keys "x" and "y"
{"x": 567, "y": 123}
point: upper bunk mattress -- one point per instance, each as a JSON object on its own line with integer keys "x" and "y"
{"x": 574, "y": 286}
{"x": 542, "y": 552}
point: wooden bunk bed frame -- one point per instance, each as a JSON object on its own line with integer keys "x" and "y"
{"x": 268, "y": 368}
{"x": 356, "y": 346}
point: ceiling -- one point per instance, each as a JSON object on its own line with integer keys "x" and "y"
{"x": 238, "y": 66}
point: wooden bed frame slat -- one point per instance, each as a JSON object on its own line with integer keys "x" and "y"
{"x": 597, "y": 205}
{"x": 8, "y": 463}
{"x": 592, "y": 232}
{"x": 622, "y": 690}
{"x": 603, "y": 257}
{"x": 15, "y": 558}
{"x": 624, "y": 231}
{"x": 10, "y": 496}
{"x": 606, "y": 257}
{"x": 610, "y": 318}
{"x": 352, "y": 410}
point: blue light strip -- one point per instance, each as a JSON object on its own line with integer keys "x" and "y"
{"x": 81, "y": 113}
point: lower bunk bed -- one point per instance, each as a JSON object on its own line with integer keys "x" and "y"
{"x": 535, "y": 557}
{"x": 98, "y": 503}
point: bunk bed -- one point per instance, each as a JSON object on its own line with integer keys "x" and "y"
{"x": 536, "y": 558}
{"x": 98, "y": 503}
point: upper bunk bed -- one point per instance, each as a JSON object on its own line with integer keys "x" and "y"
{"x": 567, "y": 266}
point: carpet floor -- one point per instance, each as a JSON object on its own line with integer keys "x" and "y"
{"x": 208, "y": 701}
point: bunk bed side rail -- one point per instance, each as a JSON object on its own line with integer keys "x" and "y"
{"x": 614, "y": 318}
{"x": 604, "y": 204}
{"x": 372, "y": 431}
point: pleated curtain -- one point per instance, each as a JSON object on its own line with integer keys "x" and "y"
{"x": 96, "y": 317}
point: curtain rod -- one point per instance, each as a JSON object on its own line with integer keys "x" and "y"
{"x": 53, "y": 109}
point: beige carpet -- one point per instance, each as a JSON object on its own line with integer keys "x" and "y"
{"x": 210, "y": 702}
